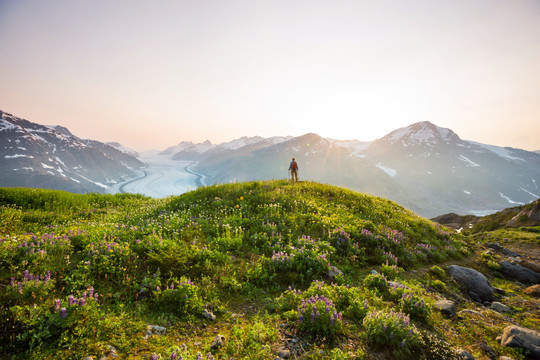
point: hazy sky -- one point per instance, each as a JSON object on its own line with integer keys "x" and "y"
{"x": 150, "y": 74}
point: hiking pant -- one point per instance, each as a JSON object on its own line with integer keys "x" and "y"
{"x": 294, "y": 175}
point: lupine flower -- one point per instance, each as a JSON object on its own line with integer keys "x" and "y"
{"x": 174, "y": 356}
{"x": 402, "y": 344}
{"x": 56, "y": 304}
{"x": 82, "y": 301}
{"x": 63, "y": 313}
{"x": 154, "y": 357}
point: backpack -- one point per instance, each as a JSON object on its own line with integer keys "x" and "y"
{"x": 294, "y": 165}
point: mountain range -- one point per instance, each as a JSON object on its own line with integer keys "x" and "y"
{"x": 51, "y": 157}
{"x": 426, "y": 168}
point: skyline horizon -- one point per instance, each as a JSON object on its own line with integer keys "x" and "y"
{"x": 197, "y": 142}
{"x": 150, "y": 74}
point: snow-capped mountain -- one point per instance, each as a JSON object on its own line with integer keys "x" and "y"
{"x": 426, "y": 168}
{"x": 34, "y": 155}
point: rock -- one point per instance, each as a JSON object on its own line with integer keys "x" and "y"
{"x": 88, "y": 358}
{"x": 333, "y": 272}
{"x": 158, "y": 330}
{"x": 209, "y": 315}
{"x": 519, "y": 337}
{"x": 488, "y": 350}
{"x": 446, "y": 307}
{"x": 533, "y": 290}
{"x": 498, "y": 307}
{"x": 501, "y": 249}
{"x": 519, "y": 273}
{"x": 499, "y": 291}
{"x": 284, "y": 353}
{"x": 373, "y": 272}
{"x": 505, "y": 358}
{"x": 470, "y": 312}
{"x": 534, "y": 266}
{"x": 475, "y": 297}
{"x": 472, "y": 280}
{"x": 218, "y": 342}
{"x": 464, "y": 354}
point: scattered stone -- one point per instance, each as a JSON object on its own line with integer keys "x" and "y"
{"x": 533, "y": 290}
{"x": 209, "y": 315}
{"x": 284, "y": 353}
{"x": 470, "y": 312}
{"x": 446, "y": 307}
{"x": 499, "y": 291}
{"x": 373, "y": 272}
{"x": 472, "y": 280}
{"x": 534, "y": 266}
{"x": 488, "y": 350}
{"x": 154, "y": 330}
{"x": 519, "y": 272}
{"x": 501, "y": 249}
{"x": 333, "y": 272}
{"x": 464, "y": 354}
{"x": 497, "y": 306}
{"x": 158, "y": 330}
{"x": 218, "y": 342}
{"x": 519, "y": 337}
{"x": 111, "y": 354}
{"x": 505, "y": 358}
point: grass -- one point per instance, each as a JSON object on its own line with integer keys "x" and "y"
{"x": 79, "y": 273}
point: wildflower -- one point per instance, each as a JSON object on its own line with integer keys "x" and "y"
{"x": 365, "y": 304}
{"x": 56, "y": 304}
{"x": 174, "y": 355}
{"x": 209, "y": 356}
{"x": 402, "y": 344}
{"x": 82, "y": 301}
{"x": 63, "y": 313}
{"x": 154, "y": 357}
{"x": 312, "y": 317}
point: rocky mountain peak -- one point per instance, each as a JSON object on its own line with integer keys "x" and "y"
{"x": 422, "y": 133}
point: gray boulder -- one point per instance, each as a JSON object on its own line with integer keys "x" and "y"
{"x": 446, "y": 307}
{"x": 473, "y": 280}
{"x": 519, "y": 273}
{"x": 499, "y": 307}
{"x": 518, "y": 337}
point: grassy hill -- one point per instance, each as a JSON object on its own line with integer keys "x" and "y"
{"x": 273, "y": 267}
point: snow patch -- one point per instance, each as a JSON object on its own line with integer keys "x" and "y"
{"x": 18, "y": 156}
{"x": 502, "y": 152}
{"x": 47, "y": 166}
{"x": 391, "y": 172}
{"x": 469, "y": 161}
{"x": 467, "y": 192}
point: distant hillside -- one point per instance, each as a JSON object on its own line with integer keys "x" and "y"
{"x": 51, "y": 157}
{"x": 525, "y": 215}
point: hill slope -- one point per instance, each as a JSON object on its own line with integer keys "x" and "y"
{"x": 270, "y": 267}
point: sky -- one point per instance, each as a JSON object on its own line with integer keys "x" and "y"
{"x": 150, "y": 74}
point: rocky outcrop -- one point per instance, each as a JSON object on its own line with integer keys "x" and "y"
{"x": 519, "y": 273}
{"x": 518, "y": 337}
{"x": 474, "y": 281}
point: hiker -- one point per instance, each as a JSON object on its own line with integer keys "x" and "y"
{"x": 293, "y": 168}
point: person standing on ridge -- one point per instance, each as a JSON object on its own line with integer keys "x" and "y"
{"x": 293, "y": 168}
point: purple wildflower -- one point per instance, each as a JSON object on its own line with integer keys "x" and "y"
{"x": 56, "y": 304}
{"x": 63, "y": 313}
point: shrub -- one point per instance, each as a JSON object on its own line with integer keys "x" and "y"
{"x": 415, "y": 307}
{"x": 376, "y": 281}
{"x": 391, "y": 330}
{"x": 437, "y": 272}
